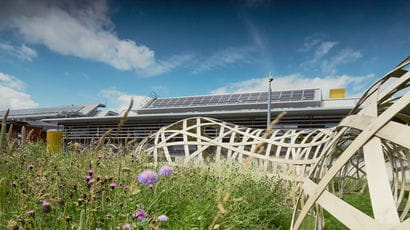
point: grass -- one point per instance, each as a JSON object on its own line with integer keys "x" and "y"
{"x": 42, "y": 190}
{"x": 359, "y": 201}
{"x": 213, "y": 197}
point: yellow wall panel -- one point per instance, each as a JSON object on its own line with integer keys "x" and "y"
{"x": 336, "y": 93}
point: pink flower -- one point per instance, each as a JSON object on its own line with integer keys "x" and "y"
{"x": 126, "y": 226}
{"x": 90, "y": 172}
{"x": 113, "y": 185}
{"x": 197, "y": 195}
{"x": 150, "y": 186}
{"x": 30, "y": 212}
{"x": 91, "y": 181}
{"x": 30, "y": 166}
{"x": 163, "y": 218}
{"x": 46, "y": 207}
{"x": 126, "y": 187}
{"x": 140, "y": 214}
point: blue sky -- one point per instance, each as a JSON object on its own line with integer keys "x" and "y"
{"x": 81, "y": 52}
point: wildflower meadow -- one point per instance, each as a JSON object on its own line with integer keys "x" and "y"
{"x": 100, "y": 189}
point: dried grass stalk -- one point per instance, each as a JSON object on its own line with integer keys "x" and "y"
{"x": 3, "y": 130}
{"x": 102, "y": 140}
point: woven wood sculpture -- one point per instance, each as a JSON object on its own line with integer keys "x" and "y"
{"x": 368, "y": 150}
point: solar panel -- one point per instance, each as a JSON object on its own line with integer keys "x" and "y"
{"x": 285, "y": 96}
{"x": 296, "y": 95}
{"x": 215, "y": 99}
{"x": 234, "y": 97}
{"x": 244, "y": 97}
{"x": 253, "y": 97}
{"x": 224, "y": 98}
{"x": 308, "y": 94}
{"x": 276, "y": 96}
{"x": 45, "y": 112}
{"x": 206, "y": 100}
{"x": 197, "y": 101}
{"x": 264, "y": 97}
{"x": 237, "y": 98}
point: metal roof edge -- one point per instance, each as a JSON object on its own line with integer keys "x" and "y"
{"x": 161, "y": 115}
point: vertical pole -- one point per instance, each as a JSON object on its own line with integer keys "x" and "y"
{"x": 268, "y": 120}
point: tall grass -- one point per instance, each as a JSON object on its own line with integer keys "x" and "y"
{"x": 41, "y": 190}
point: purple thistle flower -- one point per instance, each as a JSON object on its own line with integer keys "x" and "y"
{"x": 113, "y": 185}
{"x": 30, "y": 166}
{"x": 99, "y": 157}
{"x": 150, "y": 186}
{"x": 90, "y": 172}
{"x": 13, "y": 184}
{"x": 126, "y": 226}
{"x": 190, "y": 174}
{"x": 140, "y": 214}
{"x": 126, "y": 187}
{"x": 197, "y": 195}
{"x": 162, "y": 218}
{"x": 165, "y": 170}
{"x": 91, "y": 181}
{"x": 30, "y": 212}
{"x": 147, "y": 176}
{"x": 46, "y": 207}
{"x": 87, "y": 178}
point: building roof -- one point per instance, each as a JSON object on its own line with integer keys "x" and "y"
{"x": 53, "y": 112}
{"x": 235, "y": 98}
{"x": 334, "y": 106}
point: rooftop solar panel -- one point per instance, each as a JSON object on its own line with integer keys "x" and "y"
{"x": 72, "y": 110}
{"x": 215, "y": 99}
{"x": 238, "y": 98}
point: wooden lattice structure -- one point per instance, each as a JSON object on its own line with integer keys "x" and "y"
{"x": 288, "y": 153}
{"x": 370, "y": 146}
{"x": 369, "y": 150}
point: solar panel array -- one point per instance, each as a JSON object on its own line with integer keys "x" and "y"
{"x": 43, "y": 111}
{"x": 243, "y": 98}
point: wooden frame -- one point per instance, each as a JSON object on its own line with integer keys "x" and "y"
{"x": 370, "y": 148}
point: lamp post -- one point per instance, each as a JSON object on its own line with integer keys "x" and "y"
{"x": 270, "y": 79}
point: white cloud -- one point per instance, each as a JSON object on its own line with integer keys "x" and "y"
{"x": 23, "y": 52}
{"x": 322, "y": 59}
{"x": 298, "y": 81}
{"x": 12, "y": 95}
{"x": 164, "y": 66}
{"x": 320, "y": 49}
{"x": 329, "y": 66}
{"x": 119, "y": 101}
{"x": 81, "y": 29}
{"x": 309, "y": 44}
{"x": 223, "y": 58}
{"x": 323, "y": 48}
{"x": 11, "y": 82}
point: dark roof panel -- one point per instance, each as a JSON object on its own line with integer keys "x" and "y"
{"x": 236, "y": 98}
